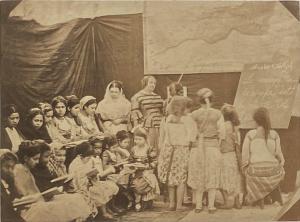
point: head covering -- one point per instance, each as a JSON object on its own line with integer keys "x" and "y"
{"x": 111, "y": 109}
{"x": 139, "y": 131}
{"x": 84, "y": 100}
{"x": 205, "y": 94}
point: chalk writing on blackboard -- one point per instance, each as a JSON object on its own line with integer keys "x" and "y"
{"x": 271, "y": 85}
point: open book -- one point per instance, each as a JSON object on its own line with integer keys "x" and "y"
{"x": 26, "y": 200}
{"x": 64, "y": 179}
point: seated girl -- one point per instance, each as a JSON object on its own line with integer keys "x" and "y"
{"x": 8, "y": 213}
{"x": 144, "y": 183}
{"x": 124, "y": 141}
{"x": 11, "y": 137}
{"x": 87, "y": 115}
{"x": 34, "y": 127}
{"x": 60, "y": 208}
{"x": 73, "y": 109}
{"x": 49, "y": 124}
{"x": 64, "y": 127}
{"x": 81, "y": 167}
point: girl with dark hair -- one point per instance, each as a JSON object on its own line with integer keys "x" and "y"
{"x": 34, "y": 128}
{"x": 59, "y": 208}
{"x": 11, "y": 137}
{"x": 114, "y": 109}
{"x": 100, "y": 192}
{"x": 73, "y": 110}
{"x": 87, "y": 118}
{"x": 262, "y": 159}
{"x": 205, "y": 175}
{"x": 64, "y": 127}
{"x": 231, "y": 178}
{"x": 147, "y": 110}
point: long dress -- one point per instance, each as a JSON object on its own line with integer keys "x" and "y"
{"x": 174, "y": 156}
{"x": 99, "y": 191}
{"x": 64, "y": 128}
{"x": 114, "y": 109}
{"x": 262, "y": 163}
{"x": 61, "y": 208}
{"x": 89, "y": 124}
{"x": 231, "y": 177}
{"x": 205, "y": 172}
{"x": 147, "y": 110}
{"x": 11, "y": 138}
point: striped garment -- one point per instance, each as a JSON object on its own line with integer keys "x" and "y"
{"x": 147, "y": 109}
{"x": 261, "y": 180}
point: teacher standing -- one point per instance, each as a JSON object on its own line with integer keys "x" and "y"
{"x": 147, "y": 110}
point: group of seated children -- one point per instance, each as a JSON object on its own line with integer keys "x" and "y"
{"x": 41, "y": 188}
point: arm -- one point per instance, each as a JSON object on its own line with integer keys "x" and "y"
{"x": 124, "y": 153}
{"x": 246, "y": 151}
{"x": 278, "y": 151}
{"x": 136, "y": 114}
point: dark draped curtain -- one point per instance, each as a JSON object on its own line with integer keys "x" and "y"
{"x": 77, "y": 57}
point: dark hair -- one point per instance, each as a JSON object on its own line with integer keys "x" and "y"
{"x": 177, "y": 105}
{"x": 29, "y": 149}
{"x": 34, "y": 112}
{"x": 96, "y": 139}
{"x": 189, "y": 103}
{"x": 202, "y": 101}
{"x": 9, "y": 109}
{"x": 90, "y": 102}
{"x": 109, "y": 141}
{"x": 84, "y": 149}
{"x": 122, "y": 135}
{"x": 146, "y": 79}
{"x": 8, "y": 156}
{"x": 230, "y": 114}
{"x": 116, "y": 84}
{"x": 72, "y": 101}
{"x": 177, "y": 87}
{"x": 45, "y": 107}
{"x": 58, "y": 99}
{"x": 262, "y": 118}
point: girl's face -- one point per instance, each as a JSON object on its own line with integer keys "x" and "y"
{"x": 114, "y": 92}
{"x": 75, "y": 110}
{"x": 44, "y": 158}
{"x": 60, "y": 109}
{"x": 98, "y": 148}
{"x": 85, "y": 159}
{"x": 125, "y": 143}
{"x": 31, "y": 162}
{"x": 60, "y": 156}
{"x": 7, "y": 169}
{"x": 90, "y": 110}
{"x": 151, "y": 84}
{"x": 13, "y": 119}
{"x": 37, "y": 121}
{"x": 139, "y": 141}
{"x": 48, "y": 116}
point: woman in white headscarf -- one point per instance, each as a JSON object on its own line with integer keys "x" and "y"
{"x": 114, "y": 109}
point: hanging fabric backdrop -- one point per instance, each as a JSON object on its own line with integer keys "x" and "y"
{"x": 77, "y": 57}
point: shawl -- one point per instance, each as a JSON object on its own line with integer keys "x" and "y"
{"x": 31, "y": 133}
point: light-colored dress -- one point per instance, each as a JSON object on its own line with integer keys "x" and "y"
{"x": 62, "y": 207}
{"x": 231, "y": 177}
{"x": 79, "y": 132}
{"x": 147, "y": 110}
{"x": 114, "y": 109}
{"x": 14, "y": 137}
{"x": 54, "y": 133}
{"x": 174, "y": 155}
{"x": 262, "y": 163}
{"x": 64, "y": 128}
{"x": 205, "y": 173}
{"x": 100, "y": 191}
{"x": 89, "y": 124}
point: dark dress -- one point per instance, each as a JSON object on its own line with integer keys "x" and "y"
{"x": 5, "y": 140}
{"x": 8, "y": 214}
{"x": 43, "y": 177}
{"x": 31, "y": 133}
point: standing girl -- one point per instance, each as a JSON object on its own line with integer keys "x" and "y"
{"x": 231, "y": 178}
{"x": 179, "y": 134}
{"x": 211, "y": 132}
{"x": 147, "y": 110}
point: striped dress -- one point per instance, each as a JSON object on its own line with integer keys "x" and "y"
{"x": 147, "y": 110}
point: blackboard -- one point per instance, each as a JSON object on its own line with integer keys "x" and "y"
{"x": 272, "y": 85}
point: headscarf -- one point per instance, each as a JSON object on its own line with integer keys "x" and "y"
{"x": 111, "y": 109}
{"x": 84, "y": 100}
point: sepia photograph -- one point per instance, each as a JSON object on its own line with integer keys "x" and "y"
{"x": 150, "y": 110}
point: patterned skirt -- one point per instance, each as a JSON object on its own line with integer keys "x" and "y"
{"x": 262, "y": 179}
{"x": 231, "y": 177}
{"x": 173, "y": 170}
